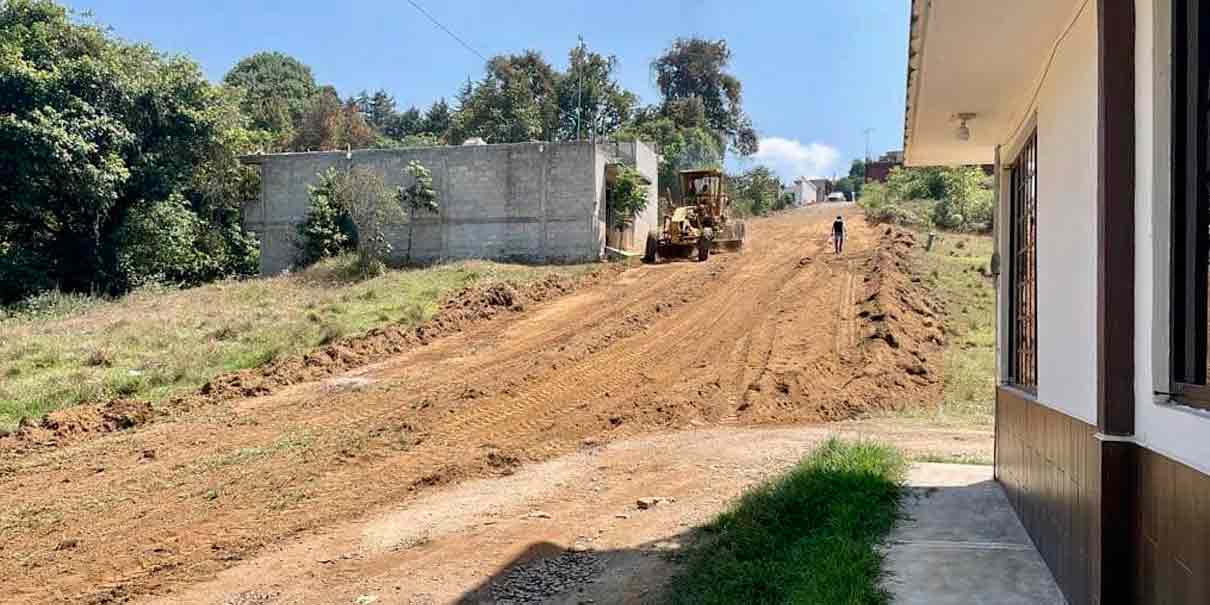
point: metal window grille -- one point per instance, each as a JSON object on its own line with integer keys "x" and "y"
{"x": 1190, "y": 200}
{"x": 1023, "y": 370}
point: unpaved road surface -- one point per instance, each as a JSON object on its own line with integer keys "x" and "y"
{"x": 255, "y": 500}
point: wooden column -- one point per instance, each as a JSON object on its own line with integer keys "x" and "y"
{"x": 1115, "y": 523}
{"x": 1115, "y": 218}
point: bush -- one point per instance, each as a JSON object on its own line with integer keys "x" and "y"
{"x": 880, "y": 206}
{"x": 375, "y": 211}
{"x": 627, "y": 196}
{"x": 910, "y": 197}
{"x": 327, "y": 230}
{"x": 169, "y": 243}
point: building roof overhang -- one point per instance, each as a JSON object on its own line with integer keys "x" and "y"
{"x": 982, "y": 57}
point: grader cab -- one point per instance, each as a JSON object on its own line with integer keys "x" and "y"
{"x": 700, "y": 222}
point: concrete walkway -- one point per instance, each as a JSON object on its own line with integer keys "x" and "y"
{"x": 961, "y": 543}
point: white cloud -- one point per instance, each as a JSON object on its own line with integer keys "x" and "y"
{"x": 791, "y": 159}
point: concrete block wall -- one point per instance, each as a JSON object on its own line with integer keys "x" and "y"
{"x": 533, "y": 202}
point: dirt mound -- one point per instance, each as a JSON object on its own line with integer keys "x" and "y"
{"x": 456, "y": 313}
{"x": 888, "y": 344}
{"x": 901, "y": 334}
{"x": 115, "y": 415}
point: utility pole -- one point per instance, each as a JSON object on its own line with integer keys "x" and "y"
{"x": 580, "y": 90}
{"x": 865, "y": 166}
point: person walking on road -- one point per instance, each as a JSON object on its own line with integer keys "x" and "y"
{"x": 839, "y": 231}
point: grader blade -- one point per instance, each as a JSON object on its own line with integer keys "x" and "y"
{"x": 730, "y": 238}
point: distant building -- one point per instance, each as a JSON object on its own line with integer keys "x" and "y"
{"x": 879, "y": 171}
{"x": 822, "y": 188}
{"x": 808, "y": 191}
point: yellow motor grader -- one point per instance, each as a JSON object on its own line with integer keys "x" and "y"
{"x": 700, "y": 222}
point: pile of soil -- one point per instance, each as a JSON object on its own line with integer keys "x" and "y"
{"x": 461, "y": 310}
{"x": 901, "y": 333}
{"x": 889, "y": 342}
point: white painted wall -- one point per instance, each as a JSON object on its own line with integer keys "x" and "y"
{"x": 1180, "y": 433}
{"x": 804, "y": 193}
{"x": 1067, "y": 224}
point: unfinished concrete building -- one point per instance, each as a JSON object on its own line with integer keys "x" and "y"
{"x": 528, "y": 202}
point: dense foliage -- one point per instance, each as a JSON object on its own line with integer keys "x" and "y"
{"x": 755, "y": 192}
{"x": 119, "y": 165}
{"x": 276, "y": 91}
{"x": 693, "y": 69}
{"x": 523, "y": 98}
{"x": 102, "y": 139}
{"x": 958, "y": 199}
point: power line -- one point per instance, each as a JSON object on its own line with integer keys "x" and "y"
{"x": 447, "y": 30}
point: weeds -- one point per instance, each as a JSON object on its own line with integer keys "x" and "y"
{"x": 807, "y": 538}
{"x": 61, "y": 350}
{"x": 952, "y": 459}
{"x": 243, "y": 455}
{"x": 957, "y": 268}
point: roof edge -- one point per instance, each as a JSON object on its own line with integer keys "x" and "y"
{"x": 916, "y": 36}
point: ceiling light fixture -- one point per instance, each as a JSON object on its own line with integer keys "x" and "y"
{"x": 964, "y": 131}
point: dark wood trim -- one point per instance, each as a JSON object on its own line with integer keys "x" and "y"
{"x": 1115, "y": 217}
{"x": 1118, "y": 522}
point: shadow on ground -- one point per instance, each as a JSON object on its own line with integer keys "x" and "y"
{"x": 552, "y": 574}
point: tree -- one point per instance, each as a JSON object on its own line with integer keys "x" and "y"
{"x": 381, "y": 109}
{"x": 101, "y": 140}
{"x": 329, "y": 124}
{"x": 404, "y": 124}
{"x": 693, "y": 68}
{"x": 756, "y": 190}
{"x": 680, "y": 148}
{"x": 437, "y": 119}
{"x": 966, "y": 203}
{"x": 417, "y": 197}
{"x": 276, "y": 90}
{"x": 591, "y": 102}
{"x": 515, "y": 102}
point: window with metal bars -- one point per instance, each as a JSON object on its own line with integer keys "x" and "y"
{"x": 1190, "y": 200}
{"x": 1023, "y": 269}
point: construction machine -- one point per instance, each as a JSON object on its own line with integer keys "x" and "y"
{"x": 700, "y": 222}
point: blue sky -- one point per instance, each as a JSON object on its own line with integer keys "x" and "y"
{"x": 816, "y": 73}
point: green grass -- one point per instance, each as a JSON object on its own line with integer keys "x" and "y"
{"x": 61, "y": 350}
{"x": 809, "y": 537}
{"x": 249, "y": 454}
{"x": 969, "y": 297}
{"x": 952, "y": 459}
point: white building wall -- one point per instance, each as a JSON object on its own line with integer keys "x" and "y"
{"x": 1178, "y": 432}
{"x": 1067, "y": 224}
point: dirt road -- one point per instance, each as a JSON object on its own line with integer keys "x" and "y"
{"x": 785, "y": 333}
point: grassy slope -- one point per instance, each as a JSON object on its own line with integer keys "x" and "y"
{"x": 970, "y": 357}
{"x": 809, "y": 537}
{"x": 155, "y": 344}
